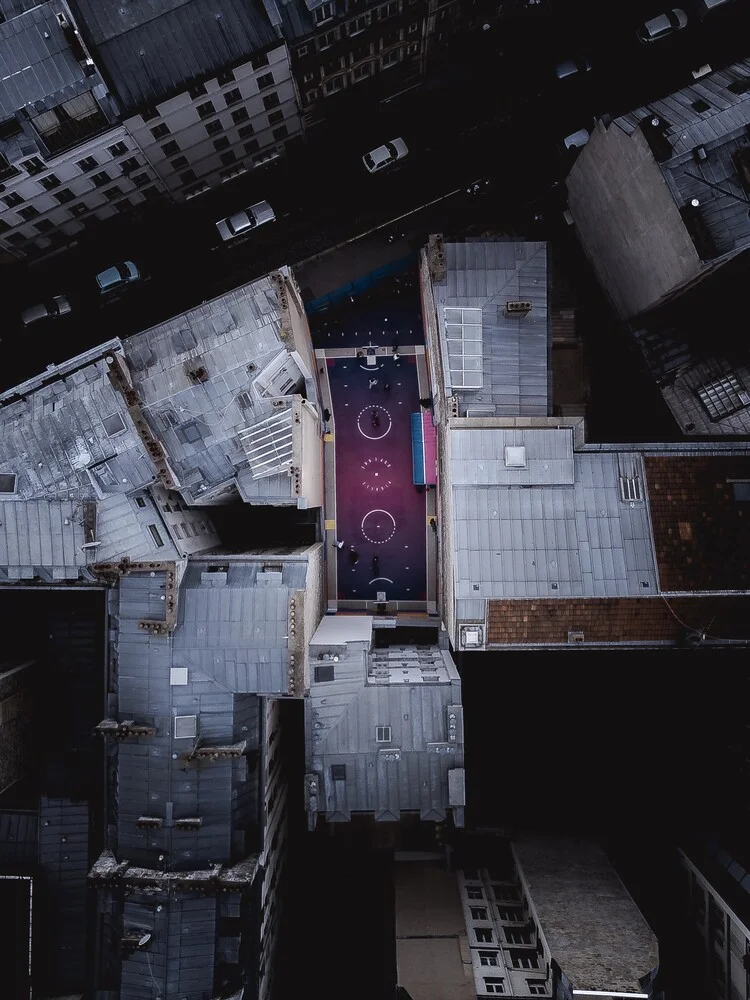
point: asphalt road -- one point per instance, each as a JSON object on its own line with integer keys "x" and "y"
{"x": 493, "y": 110}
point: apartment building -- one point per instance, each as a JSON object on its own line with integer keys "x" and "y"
{"x": 383, "y": 728}
{"x": 716, "y": 884}
{"x": 204, "y": 89}
{"x": 589, "y": 544}
{"x": 65, "y": 160}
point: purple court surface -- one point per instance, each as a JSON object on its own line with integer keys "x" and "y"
{"x": 379, "y": 511}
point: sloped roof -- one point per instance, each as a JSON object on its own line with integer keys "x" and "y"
{"x": 595, "y": 932}
{"x": 36, "y": 61}
{"x": 407, "y": 689}
{"x": 629, "y": 620}
{"x": 155, "y": 48}
{"x": 701, "y": 533}
{"x": 514, "y": 350}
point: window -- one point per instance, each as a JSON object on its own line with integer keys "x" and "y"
{"x": 412, "y": 49}
{"x": 362, "y": 71}
{"x": 275, "y": 116}
{"x": 488, "y": 958}
{"x": 212, "y": 128}
{"x": 266, "y": 80}
{"x": 271, "y": 101}
{"x": 86, "y": 164}
{"x": 358, "y": 24}
{"x": 506, "y": 892}
{"x": 114, "y": 192}
{"x": 155, "y": 535}
{"x": 517, "y": 936}
{"x": 226, "y": 76}
{"x": 170, "y": 148}
{"x": 188, "y": 177}
{"x": 7, "y": 482}
{"x": 16, "y": 239}
{"x": 388, "y": 10}
{"x": 511, "y": 914}
{"x": 493, "y": 984}
{"x": 311, "y": 96}
{"x": 382, "y": 734}
{"x": 13, "y": 199}
{"x": 327, "y": 40}
{"x": 228, "y": 158}
{"x": 252, "y": 147}
{"x": 245, "y": 131}
{"x": 119, "y": 149}
{"x": 50, "y": 182}
{"x": 333, "y": 85}
{"x": 484, "y": 935}
{"x": 308, "y": 77}
{"x": 159, "y": 131}
{"x": 44, "y": 226}
{"x": 740, "y": 86}
{"x": 28, "y": 212}
{"x": 323, "y": 13}
{"x": 323, "y": 672}
{"x": 413, "y": 28}
{"x": 232, "y": 97}
{"x": 206, "y": 109}
{"x": 724, "y": 396}
{"x": 113, "y": 424}
{"x": 101, "y": 178}
{"x": 221, "y": 143}
{"x": 4, "y": 227}
{"x": 474, "y": 892}
{"x": 478, "y": 912}
{"x": 129, "y": 165}
{"x": 140, "y": 501}
{"x": 700, "y": 106}
{"x": 140, "y": 179}
{"x": 259, "y": 60}
{"x": 524, "y": 959}
{"x": 198, "y": 90}
{"x": 151, "y": 192}
{"x": 362, "y": 51}
{"x": 389, "y": 59}
{"x": 240, "y": 115}
{"x": 338, "y": 772}
{"x": 149, "y": 114}
{"x": 301, "y": 51}
{"x": 78, "y": 210}
{"x": 33, "y": 165}
{"x": 280, "y": 133}
{"x": 537, "y": 987}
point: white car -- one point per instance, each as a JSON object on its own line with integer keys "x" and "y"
{"x": 384, "y": 156}
{"x": 577, "y": 140}
{"x": 58, "y": 305}
{"x": 243, "y": 222}
{"x": 572, "y": 67}
{"x": 664, "y": 24}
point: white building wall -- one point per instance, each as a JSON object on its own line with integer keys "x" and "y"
{"x": 191, "y": 528}
{"x": 192, "y": 149}
{"x": 99, "y": 189}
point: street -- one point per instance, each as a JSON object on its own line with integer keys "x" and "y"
{"x": 495, "y": 112}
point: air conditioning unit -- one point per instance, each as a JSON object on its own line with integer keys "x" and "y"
{"x": 517, "y": 307}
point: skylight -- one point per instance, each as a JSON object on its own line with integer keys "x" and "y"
{"x": 463, "y": 333}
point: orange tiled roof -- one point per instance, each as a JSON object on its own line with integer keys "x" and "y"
{"x": 615, "y": 619}
{"x": 701, "y": 535}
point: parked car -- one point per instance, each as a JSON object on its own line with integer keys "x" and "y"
{"x": 576, "y": 140}
{"x": 572, "y": 67}
{"x": 664, "y": 24}
{"x": 117, "y": 276}
{"x": 384, "y": 156}
{"x": 58, "y": 305}
{"x": 243, "y": 222}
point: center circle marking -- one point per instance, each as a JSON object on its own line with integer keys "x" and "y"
{"x": 365, "y": 418}
{"x": 378, "y": 526}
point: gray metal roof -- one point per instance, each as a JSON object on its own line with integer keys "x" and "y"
{"x": 721, "y": 129}
{"x": 153, "y": 49}
{"x": 558, "y": 528}
{"x": 179, "y": 961}
{"x": 231, "y": 636}
{"x": 64, "y": 860}
{"x": 36, "y": 61}
{"x": 515, "y": 350}
{"x": 233, "y": 339}
{"x": 595, "y": 932}
{"x": 408, "y": 689}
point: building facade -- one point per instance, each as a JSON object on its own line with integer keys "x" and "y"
{"x": 65, "y": 160}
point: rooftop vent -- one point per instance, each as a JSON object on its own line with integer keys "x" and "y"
{"x": 630, "y": 489}
{"x": 178, "y": 675}
{"x": 518, "y": 307}
{"x": 185, "y": 727}
{"x": 472, "y": 636}
{"x": 574, "y": 637}
{"x": 515, "y": 457}
{"x": 149, "y": 822}
{"x": 191, "y": 823}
